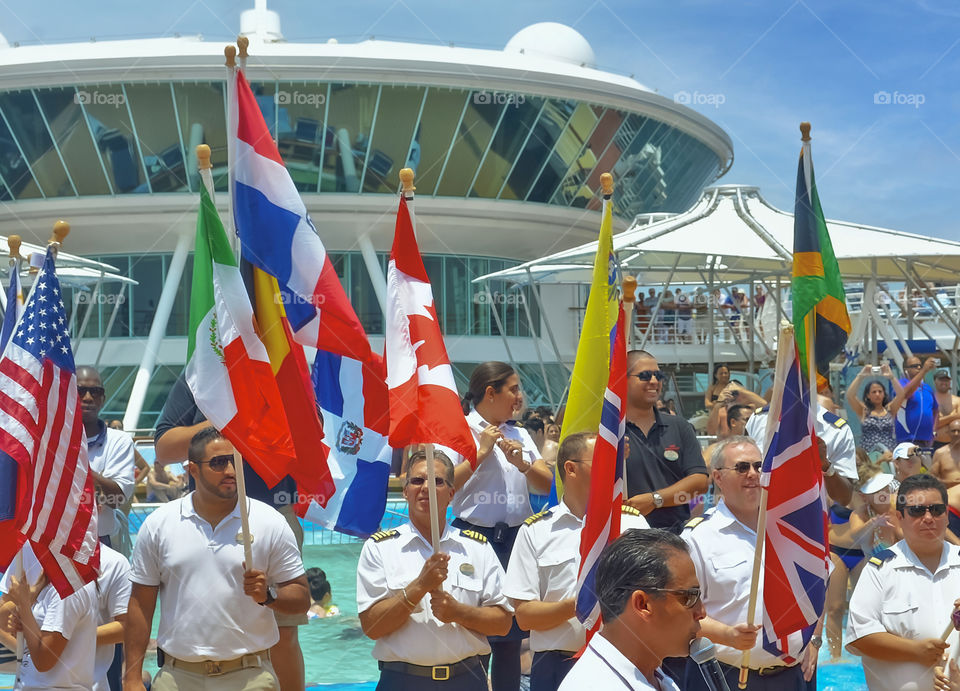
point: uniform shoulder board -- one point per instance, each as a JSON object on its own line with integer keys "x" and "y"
{"x": 382, "y": 535}
{"x": 694, "y": 522}
{"x": 762, "y": 410}
{"x": 882, "y": 556}
{"x": 832, "y": 419}
{"x": 626, "y": 508}
{"x": 536, "y": 517}
{"x": 473, "y": 535}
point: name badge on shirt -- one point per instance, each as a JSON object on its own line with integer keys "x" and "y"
{"x": 467, "y": 570}
{"x": 671, "y": 453}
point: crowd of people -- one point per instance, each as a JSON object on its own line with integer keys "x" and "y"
{"x": 681, "y": 316}
{"x": 493, "y": 603}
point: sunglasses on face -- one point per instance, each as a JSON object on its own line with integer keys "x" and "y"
{"x": 689, "y": 597}
{"x": 95, "y": 391}
{"x": 421, "y": 481}
{"x": 743, "y": 467}
{"x": 218, "y": 463}
{"x": 648, "y": 374}
{"x": 920, "y": 510}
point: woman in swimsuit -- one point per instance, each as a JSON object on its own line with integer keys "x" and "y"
{"x": 875, "y": 410}
{"x": 721, "y": 377}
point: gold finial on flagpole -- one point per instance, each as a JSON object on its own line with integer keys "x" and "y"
{"x": 13, "y": 244}
{"x": 406, "y": 180}
{"x": 203, "y": 157}
{"x": 230, "y": 53}
{"x": 805, "y": 131}
{"x": 606, "y": 183}
{"x": 243, "y": 43}
{"x": 61, "y": 229}
{"x": 630, "y": 289}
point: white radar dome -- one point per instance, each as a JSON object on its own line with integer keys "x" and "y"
{"x": 553, "y": 41}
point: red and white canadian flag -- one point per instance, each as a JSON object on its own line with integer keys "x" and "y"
{"x": 424, "y": 403}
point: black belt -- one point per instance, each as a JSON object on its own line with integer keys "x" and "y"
{"x": 765, "y": 671}
{"x": 436, "y": 672}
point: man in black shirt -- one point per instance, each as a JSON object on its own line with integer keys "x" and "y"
{"x": 179, "y": 420}
{"x": 665, "y": 468}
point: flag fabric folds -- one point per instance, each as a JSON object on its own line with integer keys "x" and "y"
{"x": 602, "y": 520}
{"x": 592, "y": 366}
{"x": 353, "y": 399}
{"x": 228, "y": 369}
{"x": 50, "y": 502}
{"x": 424, "y": 403}
{"x": 796, "y": 557}
{"x": 817, "y": 287}
{"x": 277, "y": 236}
{"x": 289, "y": 366}
{"x": 14, "y": 305}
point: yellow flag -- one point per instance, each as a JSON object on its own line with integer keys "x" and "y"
{"x": 591, "y": 369}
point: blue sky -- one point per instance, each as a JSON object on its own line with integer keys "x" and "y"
{"x": 773, "y": 63}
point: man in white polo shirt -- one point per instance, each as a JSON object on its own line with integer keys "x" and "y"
{"x": 216, "y": 627}
{"x": 542, "y": 575}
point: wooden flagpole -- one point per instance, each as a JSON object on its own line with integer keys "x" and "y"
{"x": 629, "y": 300}
{"x": 407, "y": 190}
{"x": 206, "y": 177}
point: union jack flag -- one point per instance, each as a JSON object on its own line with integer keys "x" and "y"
{"x": 797, "y": 558}
{"x": 602, "y": 521}
{"x": 49, "y": 499}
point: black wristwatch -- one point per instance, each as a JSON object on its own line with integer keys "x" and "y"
{"x": 271, "y": 596}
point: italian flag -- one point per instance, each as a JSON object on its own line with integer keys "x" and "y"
{"x": 228, "y": 370}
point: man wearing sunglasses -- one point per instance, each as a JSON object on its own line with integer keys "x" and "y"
{"x": 664, "y": 468}
{"x": 722, "y": 547}
{"x": 650, "y": 601}
{"x": 217, "y": 622}
{"x": 110, "y": 452}
{"x": 542, "y": 574}
{"x": 904, "y": 598}
{"x": 430, "y": 612}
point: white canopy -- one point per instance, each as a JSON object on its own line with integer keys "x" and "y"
{"x": 738, "y": 234}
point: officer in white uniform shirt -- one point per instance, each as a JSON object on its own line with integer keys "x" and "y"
{"x": 216, "y": 624}
{"x": 542, "y": 575}
{"x": 430, "y": 612}
{"x": 840, "y": 467}
{"x": 903, "y": 600}
{"x": 109, "y": 450}
{"x": 650, "y": 602}
{"x": 59, "y": 634}
{"x": 722, "y": 547}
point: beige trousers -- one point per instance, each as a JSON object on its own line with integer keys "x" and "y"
{"x": 251, "y": 679}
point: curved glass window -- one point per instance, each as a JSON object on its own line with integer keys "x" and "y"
{"x": 135, "y": 138}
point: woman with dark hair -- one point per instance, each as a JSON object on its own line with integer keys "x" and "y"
{"x": 320, "y": 595}
{"x": 876, "y": 412}
{"x": 494, "y": 499}
{"x": 721, "y": 377}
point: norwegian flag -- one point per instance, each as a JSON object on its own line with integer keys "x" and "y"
{"x": 50, "y": 501}
{"x": 797, "y": 557}
{"x": 424, "y": 403}
{"x": 602, "y": 521}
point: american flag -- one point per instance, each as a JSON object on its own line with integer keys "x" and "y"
{"x": 602, "y": 521}
{"x": 41, "y": 431}
{"x": 796, "y": 559}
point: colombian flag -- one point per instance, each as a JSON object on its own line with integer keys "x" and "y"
{"x": 817, "y": 286}
{"x": 591, "y": 369}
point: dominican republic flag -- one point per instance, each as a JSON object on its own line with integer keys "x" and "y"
{"x": 796, "y": 558}
{"x": 424, "y": 403}
{"x": 278, "y": 237}
{"x": 46, "y": 488}
{"x": 353, "y": 399}
{"x": 14, "y": 310}
{"x": 228, "y": 369}
{"x": 602, "y": 521}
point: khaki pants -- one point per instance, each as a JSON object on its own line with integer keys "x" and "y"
{"x": 251, "y": 679}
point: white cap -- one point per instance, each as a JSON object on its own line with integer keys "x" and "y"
{"x": 903, "y": 449}
{"x": 876, "y": 483}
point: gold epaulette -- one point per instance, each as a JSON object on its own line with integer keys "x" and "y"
{"x": 536, "y": 517}
{"x": 694, "y": 522}
{"x": 474, "y": 535}
{"x": 881, "y": 557}
{"x": 626, "y": 508}
{"x": 382, "y": 535}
